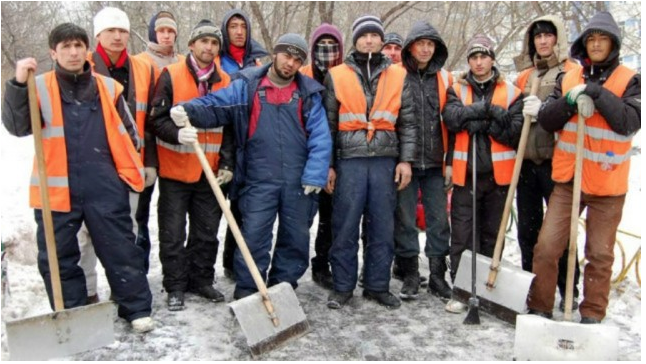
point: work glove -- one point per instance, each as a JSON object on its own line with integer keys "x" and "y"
{"x": 309, "y": 189}
{"x": 585, "y": 106}
{"x": 187, "y": 136}
{"x": 572, "y": 95}
{"x": 531, "y": 105}
{"x": 448, "y": 178}
{"x": 179, "y": 116}
{"x": 151, "y": 176}
{"x": 224, "y": 176}
{"x": 476, "y": 126}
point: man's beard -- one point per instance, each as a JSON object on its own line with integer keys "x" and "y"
{"x": 280, "y": 74}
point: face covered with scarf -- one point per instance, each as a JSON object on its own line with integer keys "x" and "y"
{"x": 327, "y": 53}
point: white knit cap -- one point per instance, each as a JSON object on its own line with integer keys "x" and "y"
{"x": 110, "y": 18}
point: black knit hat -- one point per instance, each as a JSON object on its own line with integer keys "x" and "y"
{"x": 543, "y": 27}
{"x": 205, "y": 28}
{"x": 367, "y": 24}
{"x": 393, "y": 38}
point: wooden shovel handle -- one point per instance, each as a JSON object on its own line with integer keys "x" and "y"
{"x": 520, "y": 155}
{"x": 574, "y": 219}
{"x": 233, "y": 225}
{"x": 52, "y": 256}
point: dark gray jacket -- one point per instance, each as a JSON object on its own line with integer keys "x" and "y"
{"x": 424, "y": 88}
{"x": 401, "y": 143}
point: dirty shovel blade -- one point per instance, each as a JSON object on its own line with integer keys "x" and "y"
{"x": 63, "y": 333}
{"x": 538, "y": 338}
{"x": 262, "y": 336}
{"x": 509, "y": 295}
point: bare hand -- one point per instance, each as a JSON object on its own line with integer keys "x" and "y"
{"x": 403, "y": 175}
{"x": 22, "y": 68}
{"x": 331, "y": 181}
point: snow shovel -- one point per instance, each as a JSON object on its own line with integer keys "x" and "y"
{"x": 63, "y": 332}
{"x": 270, "y": 317}
{"x": 505, "y": 296}
{"x": 539, "y": 338}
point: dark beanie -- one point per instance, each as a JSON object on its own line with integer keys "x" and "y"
{"x": 366, "y": 24}
{"x": 292, "y": 44}
{"x": 480, "y": 43}
{"x": 205, "y": 28}
{"x": 393, "y": 38}
{"x": 543, "y": 27}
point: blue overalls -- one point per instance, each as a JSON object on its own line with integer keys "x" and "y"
{"x": 276, "y": 154}
{"x": 100, "y": 199}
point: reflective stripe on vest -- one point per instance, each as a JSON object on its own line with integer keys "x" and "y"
{"x": 606, "y": 154}
{"x": 179, "y": 162}
{"x": 126, "y": 159}
{"x": 353, "y": 106}
{"x": 502, "y": 156}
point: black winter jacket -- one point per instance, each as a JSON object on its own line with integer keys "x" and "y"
{"x": 502, "y": 125}
{"x": 424, "y": 89}
{"x": 165, "y": 129}
{"x": 15, "y": 105}
{"x": 401, "y": 143}
{"x": 623, "y": 114}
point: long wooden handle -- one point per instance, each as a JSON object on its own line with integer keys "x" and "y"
{"x": 233, "y": 225}
{"x": 52, "y": 256}
{"x": 520, "y": 155}
{"x": 574, "y": 219}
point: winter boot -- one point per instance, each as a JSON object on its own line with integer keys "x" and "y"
{"x": 455, "y": 306}
{"x": 436, "y": 283}
{"x": 398, "y": 272}
{"x": 323, "y": 277}
{"x": 175, "y": 301}
{"x": 209, "y": 292}
{"x": 142, "y": 325}
{"x": 385, "y": 299}
{"x": 338, "y": 299}
{"x": 410, "y": 288}
{"x": 239, "y": 293}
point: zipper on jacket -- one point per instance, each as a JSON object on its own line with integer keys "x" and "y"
{"x": 423, "y": 133}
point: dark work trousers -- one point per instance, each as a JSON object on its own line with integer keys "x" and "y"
{"x": 191, "y": 264}
{"x": 100, "y": 199}
{"x": 490, "y": 203}
{"x": 230, "y": 245}
{"x": 142, "y": 215}
{"x": 323, "y": 242}
{"x": 364, "y": 186}
{"x": 276, "y": 155}
{"x": 431, "y": 182}
{"x": 535, "y": 185}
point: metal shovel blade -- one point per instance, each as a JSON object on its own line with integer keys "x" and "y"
{"x": 509, "y": 295}
{"x": 63, "y": 333}
{"x": 538, "y": 338}
{"x": 261, "y": 334}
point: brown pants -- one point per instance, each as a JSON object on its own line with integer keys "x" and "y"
{"x": 603, "y": 217}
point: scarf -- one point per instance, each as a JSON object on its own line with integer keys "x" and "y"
{"x": 163, "y": 55}
{"x": 203, "y": 75}
{"x": 237, "y": 54}
{"x": 123, "y": 57}
{"x": 326, "y": 56}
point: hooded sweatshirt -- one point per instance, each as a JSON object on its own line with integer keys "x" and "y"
{"x": 161, "y": 56}
{"x": 540, "y": 143}
{"x": 324, "y": 30}
{"x": 253, "y": 50}
{"x": 424, "y": 87}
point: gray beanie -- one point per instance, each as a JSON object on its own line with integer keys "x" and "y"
{"x": 205, "y": 28}
{"x": 366, "y": 24}
{"x": 393, "y": 38}
{"x": 480, "y": 43}
{"x": 292, "y": 44}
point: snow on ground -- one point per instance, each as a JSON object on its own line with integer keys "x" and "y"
{"x": 419, "y": 330}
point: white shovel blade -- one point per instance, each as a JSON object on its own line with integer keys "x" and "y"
{"x": 538, "y": 338}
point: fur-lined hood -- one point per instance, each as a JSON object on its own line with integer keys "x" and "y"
{"x": 526, "y": 57}
{"x": 462, "y": 78}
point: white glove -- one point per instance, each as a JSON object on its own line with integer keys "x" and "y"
{"x": 187, "y": 136}
{"x": 585, "y": 106}
{"x": 574, "y": 93}
{"x": 309, "y": 189}
{"x": 224, "y": 176}
{"x": 531, "y": 105}
{"x": 151, "y": 176}
{"x": 179, "y": 116}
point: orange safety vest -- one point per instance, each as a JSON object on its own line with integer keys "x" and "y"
{"x": 145, "y": 56}
{"x": 177, "y": 161}
{"x": 124, "y": 154}
{"x": 307, "y": 71}
{"x": 144, "y": 78}
{"x": 447, "y": 81}
{"x": 353, "y": 105}
{"x": 502, "y": 156}
{"x": 606, "y": 154}
{"x": 523, "y": 77}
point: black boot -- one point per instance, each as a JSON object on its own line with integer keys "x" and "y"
{"x": 410, "y": 267}
{"x": 386, "y": 298}
{"x": 436, "y": 283}
{"x": 323, "y": 277}
{"x": 398, "y": 268}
